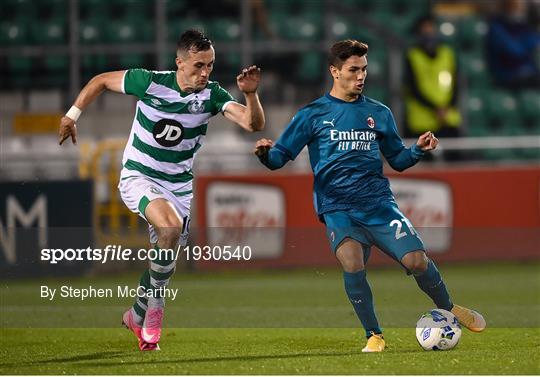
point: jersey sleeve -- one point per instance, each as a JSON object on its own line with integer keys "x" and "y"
{"x": 296, "y": 136}
{"x": 220, "y": 98}
{"x": 137, "y": 81}
{"x": 398, "y": 156}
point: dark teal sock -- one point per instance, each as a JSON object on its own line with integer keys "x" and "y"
{"x": 361, "y": 298}
{"x": 432, "y": 283}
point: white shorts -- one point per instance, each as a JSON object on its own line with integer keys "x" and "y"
{"x": 138, "y": 191}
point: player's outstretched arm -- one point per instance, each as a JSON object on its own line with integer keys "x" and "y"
{"x": 404, "y": 158}
{"x": 251, "y": 116}
{"x": 270, "y": 156}
{"x": 97, "y": 85}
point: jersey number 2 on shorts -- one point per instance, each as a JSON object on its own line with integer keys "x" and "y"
{"x": 399, "y": 225}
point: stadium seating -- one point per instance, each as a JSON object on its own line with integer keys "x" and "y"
{"x": 92, "y": 9}
{"x": 311, "y": 66}
{"x": 91, "y": 31}
{"x": 529, "y": 105}
{"x": 15, "y": 9}
{"x": 473, "y": 66}
{"x": 377, "y": 93}
{"x": 489, "y": 111}
{"x": 56, "y": 67}
{"x": 476, "y": 108}
{"x": 51, "y": 9}
{"x": 92, "y": 65}
{"x": 304, "y": 27}
{"x": 223, "y": 30}
{"x": 21, "y": 68}
{"x": 50, "y": 32}
{"x": 14, "y": 32}
{"x": 128, "y": 30}
{"x": 471, "y": 33}
{"x": 503, "y": 112}
{"x": 176, "y": 28}
{"x": 377, "y": 64}
{"x": 495, "y": 112}
{"x": 177, "y": 7}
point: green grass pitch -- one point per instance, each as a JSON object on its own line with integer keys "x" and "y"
{"x": 274, "y": 322}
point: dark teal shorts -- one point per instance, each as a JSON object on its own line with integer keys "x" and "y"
{"x": 387, "y": 228}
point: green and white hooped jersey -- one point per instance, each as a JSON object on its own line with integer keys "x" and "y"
{"x": 169, "y": 127}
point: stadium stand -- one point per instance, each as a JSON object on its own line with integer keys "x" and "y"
{"x": 115, "y": 34}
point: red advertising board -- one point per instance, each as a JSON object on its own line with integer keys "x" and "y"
{"x": 463, "y": 214}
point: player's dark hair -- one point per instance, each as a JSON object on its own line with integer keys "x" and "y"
{"x": 193, "y": 40}
{"x": 420, "y": 21}
{"x": 343, "y": 50}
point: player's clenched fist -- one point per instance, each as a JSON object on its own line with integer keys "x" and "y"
{"x": 427, "y": 141}
{"x": 262, "y": 147}
{"x": 248, "y": 80}
{"x": 67, "y": 128}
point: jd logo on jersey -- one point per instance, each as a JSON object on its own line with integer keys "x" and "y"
{"x": 168, "y": 132}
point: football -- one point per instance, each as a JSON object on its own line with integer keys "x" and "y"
{"x": 438, "y": 330}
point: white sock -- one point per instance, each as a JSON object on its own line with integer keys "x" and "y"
{"x": 137, "y": 318}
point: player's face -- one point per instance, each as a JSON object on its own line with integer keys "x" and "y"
{"x": 352, "y": 75}
{"x": 195, "y": 68}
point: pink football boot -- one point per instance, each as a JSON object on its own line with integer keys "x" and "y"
{"x": 153, "y": 321}
{"x": 130, "y": 324}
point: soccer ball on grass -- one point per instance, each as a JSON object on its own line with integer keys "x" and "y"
{"x": 438, "y": 330}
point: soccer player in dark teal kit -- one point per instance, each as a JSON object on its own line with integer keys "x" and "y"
{"x": 344, "y": 132}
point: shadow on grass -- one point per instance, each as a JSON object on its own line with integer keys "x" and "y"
{"x": 225, "y": 358}
{"x": 90, "y": 356}
{"x": 114, "y": 354}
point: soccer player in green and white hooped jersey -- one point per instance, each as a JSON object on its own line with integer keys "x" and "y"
{"x": 169, "y": 126}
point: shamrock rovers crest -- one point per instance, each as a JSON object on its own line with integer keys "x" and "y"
{"x": 195, "y": 106}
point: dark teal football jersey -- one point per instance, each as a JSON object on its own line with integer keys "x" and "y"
{"x": 345, "y": 141}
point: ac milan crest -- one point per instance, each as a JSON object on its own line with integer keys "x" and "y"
{"x": 370, "y": 122}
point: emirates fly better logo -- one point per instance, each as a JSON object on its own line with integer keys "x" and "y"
{"x": 359, "y": 140}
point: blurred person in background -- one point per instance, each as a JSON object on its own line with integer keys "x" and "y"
{"x": 346, "y": 133}
{"x": 512, "y": 47}
{"x": 170, "y": 123}
{"x": 431, "y": 85}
